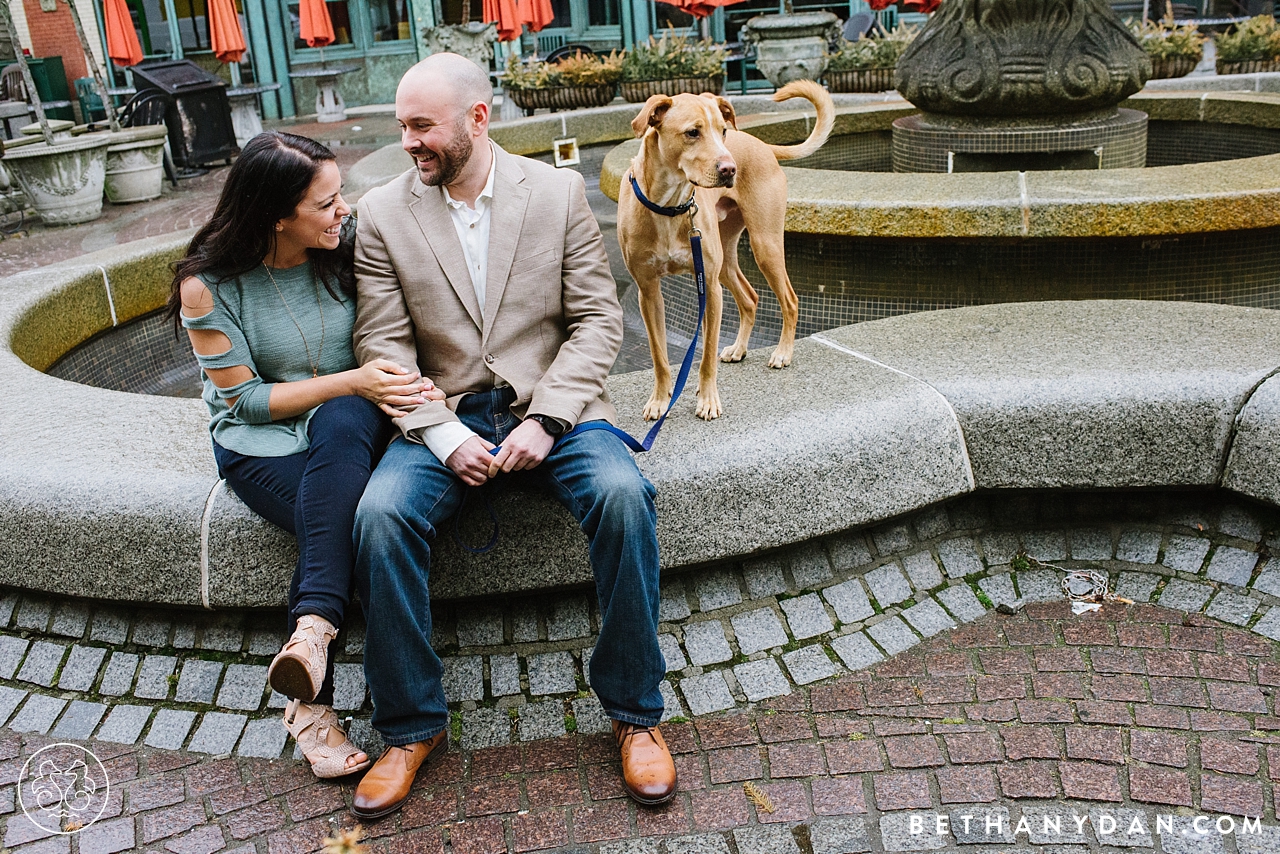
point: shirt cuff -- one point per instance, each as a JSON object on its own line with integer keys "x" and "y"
{"x": 444, "y": 439}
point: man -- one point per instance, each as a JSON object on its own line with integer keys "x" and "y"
{"x": 488, "y": 272}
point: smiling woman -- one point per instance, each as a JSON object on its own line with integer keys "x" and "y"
{"x": 266, "y": 295}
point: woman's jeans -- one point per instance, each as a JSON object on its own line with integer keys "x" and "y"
{"x": 313, "y": 495}
{"x": 412, "y": 495}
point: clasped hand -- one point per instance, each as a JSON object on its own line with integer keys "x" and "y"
{"x": 393, "y": 388}
{"x": 525, "y": 447}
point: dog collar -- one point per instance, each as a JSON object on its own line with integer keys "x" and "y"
{"x": 662, "y": 210}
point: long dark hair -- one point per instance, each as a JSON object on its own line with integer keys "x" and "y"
{"x": 265, "y": 185}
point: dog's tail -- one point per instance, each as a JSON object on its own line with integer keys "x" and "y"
{"x": 817, "y": 95}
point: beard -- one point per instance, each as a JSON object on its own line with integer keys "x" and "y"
{"x": 450, "y": 160}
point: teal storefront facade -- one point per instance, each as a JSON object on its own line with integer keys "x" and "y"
{"x": 381, "y": 39}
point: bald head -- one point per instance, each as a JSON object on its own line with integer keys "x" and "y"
{"x": 456, "y": 77}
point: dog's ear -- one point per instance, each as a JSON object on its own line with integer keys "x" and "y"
{"x": 651, "y": 114}
{"x": 726, "y": 110}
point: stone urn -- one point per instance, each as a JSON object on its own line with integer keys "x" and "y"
{"x": 1022, "y": 58}
{"x": 474, "y": 40}
{"x": 135, "y": 164}
{"x": 791, "y": 47}
{"x": 63, "y": 182}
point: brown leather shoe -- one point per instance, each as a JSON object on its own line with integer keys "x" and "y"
{"x": 647, "y": 768}
{"x": 386, "y": 787}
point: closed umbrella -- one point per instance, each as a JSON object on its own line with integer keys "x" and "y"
{"x": 535, "y": 14}
{"x": 315, "y": 25}
{"x": 503, "y": 13}
{"x": 122, "y": 41}
{"x": 224, "y": 31}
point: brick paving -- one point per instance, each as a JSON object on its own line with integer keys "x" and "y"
{"x": 1039, "y": 715}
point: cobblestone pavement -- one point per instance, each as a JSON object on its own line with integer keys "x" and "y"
{"x": 859, "y": 684}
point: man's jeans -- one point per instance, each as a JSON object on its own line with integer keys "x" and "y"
{"x": 412, "y": 495}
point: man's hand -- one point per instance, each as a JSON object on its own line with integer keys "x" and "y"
{"x": 526, "y": 447}
{"x": 471, "y": 461}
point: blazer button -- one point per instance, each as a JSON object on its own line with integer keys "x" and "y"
{"x": 488, "y": 358}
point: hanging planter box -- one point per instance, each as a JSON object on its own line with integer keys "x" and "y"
{"x": 1174, "y": 66}
{"x": 861, "y": 80}
{"x": 639, "y": 91}
{"x": 1249, "y": 66}
{"x": 563, "y": 97}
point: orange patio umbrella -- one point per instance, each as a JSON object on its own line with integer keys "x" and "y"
{"x": 535, "y": 14}
{"x": 122, "y": 40}
{"x": 315, "y": 25}
{"x": 699, "y": 8}
{"x": 503, "y": 12}
{"x": 224, "y": 31}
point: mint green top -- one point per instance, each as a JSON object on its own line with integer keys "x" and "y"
{"x": 252, "y": 314}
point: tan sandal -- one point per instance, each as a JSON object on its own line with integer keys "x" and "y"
{"x": 310, "y": 725}
{"x": 298, "y": 669}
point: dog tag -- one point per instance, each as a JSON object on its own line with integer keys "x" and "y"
{"x": 566, "y": 151}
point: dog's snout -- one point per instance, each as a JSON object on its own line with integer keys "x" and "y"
{"x": 727, "y": 170}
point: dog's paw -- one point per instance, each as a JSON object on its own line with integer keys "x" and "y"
{"x": 733, "y": 353}
{"x": 780, "y": 358}
{"x": 709, "y": 407}
{"x": 654, "y": 409}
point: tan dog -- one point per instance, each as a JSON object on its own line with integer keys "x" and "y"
{"x": 692, "y": 141}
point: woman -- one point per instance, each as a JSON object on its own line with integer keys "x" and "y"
{"x": 266, "y": 293}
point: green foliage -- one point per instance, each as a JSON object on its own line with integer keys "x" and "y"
{"x": 671, "y": 56}
{"x": 1165, "y": 40}
{"x": 873, "y": 51}
{"x": 1257, "y": 38}
{"x": 570, "y": 723}
{"x": 578, "y": 70}
{"x": 1020, "y": 562}
{"x": 455, "y": 727}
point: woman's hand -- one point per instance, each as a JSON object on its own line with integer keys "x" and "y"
{"x": 392, "y": 387}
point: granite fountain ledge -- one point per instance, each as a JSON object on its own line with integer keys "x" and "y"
{"x": 1167, "y": 200}
{"x": 114, "y": 496}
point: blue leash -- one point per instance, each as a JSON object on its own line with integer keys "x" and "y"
{"x": 637, "y": 445}
{"x": 700, "y": 279}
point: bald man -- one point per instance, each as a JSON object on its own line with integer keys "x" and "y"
{"x": 488, "y": 272}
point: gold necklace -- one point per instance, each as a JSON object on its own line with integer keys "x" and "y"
{"x": 315, "y": 366}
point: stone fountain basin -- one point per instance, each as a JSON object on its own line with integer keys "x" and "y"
{"x": 114, "y": 495}
{"x": 1167, "y": 200}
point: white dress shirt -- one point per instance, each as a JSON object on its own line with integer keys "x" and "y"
{"x": 472, "y": 225}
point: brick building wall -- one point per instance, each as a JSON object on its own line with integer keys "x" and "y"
{"x": 54, "y": 34}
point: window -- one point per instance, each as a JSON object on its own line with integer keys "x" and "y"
{"x": 338, "y": 14}
{"x": 389, "y": 20}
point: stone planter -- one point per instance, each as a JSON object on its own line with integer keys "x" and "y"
{"x": 563, "y": 97}
{"x": 791, "y": 47}
{"x": 1173, "y": 66}
{"x": 473, "y": 40}
{"x": 62, "y": 182}
{"x": 1249, "y": 66}
{"x": 639, "y": 91}
{"x": 135, "y": 164}
{"x": 861, "y": 80}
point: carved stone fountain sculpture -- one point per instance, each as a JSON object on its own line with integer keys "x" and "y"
{"x": 1021, "y": 84}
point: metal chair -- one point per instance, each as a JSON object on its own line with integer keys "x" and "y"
{"x": 91, "y": 108}
{"x": 150, "y": 108}
{"x": 567, "y": 50}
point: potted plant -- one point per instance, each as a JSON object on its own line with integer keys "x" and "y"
{"x": 581, "y": 80}
{"x": 867, "y": 64}
{"x": 793, "y": 45}
{"x": 671, "y": 65}
{"x": 1175, "y": 51}
{"x": 61, "y": 178}
{"x": 1253, "y": 46}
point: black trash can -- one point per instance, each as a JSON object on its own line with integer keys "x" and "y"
{"x": 199, "y": 116}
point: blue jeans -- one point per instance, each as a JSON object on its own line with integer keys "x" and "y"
{"x": 313, "y": 495}
{"x": 412, "y": 495}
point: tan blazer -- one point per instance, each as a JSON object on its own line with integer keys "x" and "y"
{"x": 552, "y": 324}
